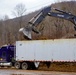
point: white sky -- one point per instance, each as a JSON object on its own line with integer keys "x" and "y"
{"x": 7, "y": 6}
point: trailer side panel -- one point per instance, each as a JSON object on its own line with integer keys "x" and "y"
{"x": 46, "y": 50}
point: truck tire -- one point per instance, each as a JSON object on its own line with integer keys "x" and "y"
{"x": 24, "y": 66}
{"x": 17, "y": 65}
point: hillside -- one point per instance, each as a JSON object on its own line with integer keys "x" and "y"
{"x": 54, "y": 28}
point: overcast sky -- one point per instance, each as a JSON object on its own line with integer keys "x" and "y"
{"x": 7, "y": 6}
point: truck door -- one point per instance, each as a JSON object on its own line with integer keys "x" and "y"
{"x": 3, "y": 54}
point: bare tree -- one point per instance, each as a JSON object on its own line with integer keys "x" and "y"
{"x": 6, "y": 30}
{"x": 6, "y": 17}
{"x": 18, "y": 12}
{"x": 59, "y": 26}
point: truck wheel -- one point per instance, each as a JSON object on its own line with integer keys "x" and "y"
{"x": 17, "y": 65}
{"x": 24, "y": 66}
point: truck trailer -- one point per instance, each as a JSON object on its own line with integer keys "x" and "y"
{"x": 29, "y": 54}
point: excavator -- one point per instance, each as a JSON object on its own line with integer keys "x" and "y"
{"x": 38, "y": 18}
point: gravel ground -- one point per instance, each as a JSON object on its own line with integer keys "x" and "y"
{"x": 54, "y": 69}
{"x": 32, "y": 72}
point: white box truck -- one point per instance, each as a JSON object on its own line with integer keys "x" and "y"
{"x": 29, "y": 54}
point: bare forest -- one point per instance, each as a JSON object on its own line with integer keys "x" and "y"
{"x": 54, "y": 28}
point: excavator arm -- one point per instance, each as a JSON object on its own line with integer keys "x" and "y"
{"x": 41, "y": 16}
{"x": 64, "y": 15}
{"x": 34, "y": 22}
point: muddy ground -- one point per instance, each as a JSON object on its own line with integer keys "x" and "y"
{"x": 62, "y": 67}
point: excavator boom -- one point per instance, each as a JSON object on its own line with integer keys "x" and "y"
{"x": 41, "y": 16}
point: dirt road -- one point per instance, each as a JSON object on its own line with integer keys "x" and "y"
{"x": 32, "y": 72}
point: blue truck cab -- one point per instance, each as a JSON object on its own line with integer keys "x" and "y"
{"x": 7, "y": 55}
